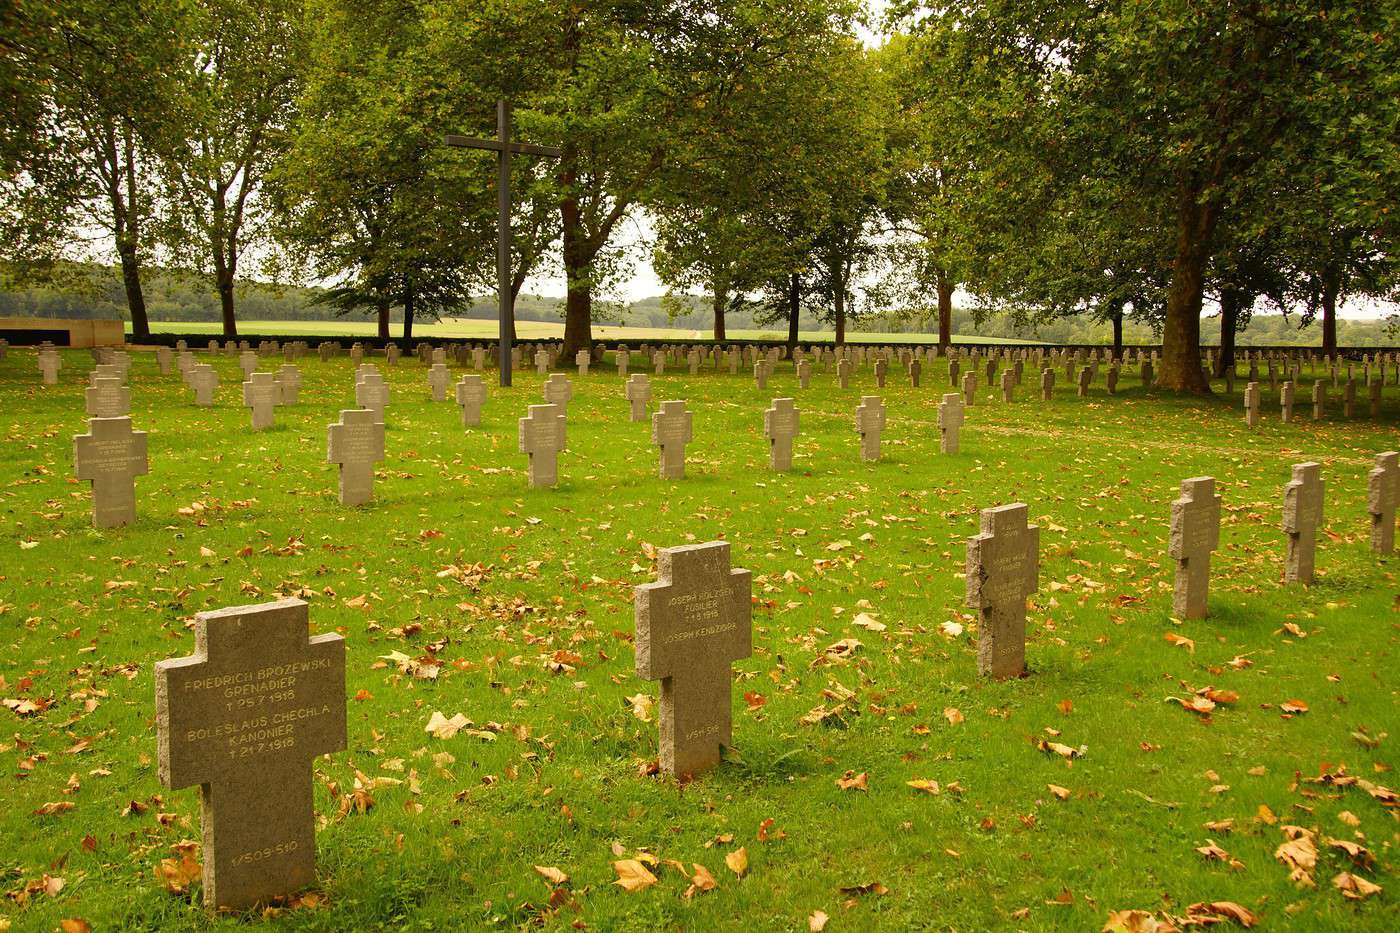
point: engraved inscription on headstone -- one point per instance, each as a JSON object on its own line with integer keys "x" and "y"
{"x": 1002, "y": 571}
{"x": 1195, "y": 533}
{"x": 111, "y": 455}
{"x": 244, "y": 717}
{"x": 692, "y": 624}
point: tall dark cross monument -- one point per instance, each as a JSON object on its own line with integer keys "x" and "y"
{"x": 503, "y": 148}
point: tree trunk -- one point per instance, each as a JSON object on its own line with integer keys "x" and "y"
{"x": 1231, "y": 301}
{"x": 840, "y": 315}
{"x": 1118, "y": 333}
{"x": 1181, "y": 333}
{"x": 794, "y": 309}
{"x": 225, "y": 286}
{"x": 381, "y": 310}
{"x": 578, "y": 302}
{"x": 407, "y": 315}
{"x": 1330, "y": 287}
{"x": 135, "y": 297}
{"x": 720, "y": 300}
{"x": 945, "y": 310}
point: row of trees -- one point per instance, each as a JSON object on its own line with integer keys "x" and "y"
{"x": 1121, "y": 160}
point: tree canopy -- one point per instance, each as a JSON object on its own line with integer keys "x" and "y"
{"x": 1133, "y": 164}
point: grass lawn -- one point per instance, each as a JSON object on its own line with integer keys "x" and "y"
{"x": 464, "y": 329}
{"x": 458, "y": 561}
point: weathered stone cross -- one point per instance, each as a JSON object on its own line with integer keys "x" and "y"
{"x": 692, "y": 623}
{"x": 108, "y": 398}
{"x": 439, "y": 378}
{"x": 371, "y": 392}
{"x": 243, "y": 717}
{"x": 1195, "y": 532}
{"x": 638, "y": 392}
{"x": 542, "y": 436}
{"x": 870, "y": 421}
{"x": 261, "y": 394}
{"x": 780, "y": 425}
{"x": 356, "y": 443}
{"x": 289, "y": 381}
{"x": 111, "y": 455}
{"x": 1251, "y": 404}
{"x": 558, "y": 391}
{"x": 204, "y": 379}
{"x": 671, "y": 431}
{"x": 950, "y": 420}
{"x": 471, "y": 393}
{"x": 1002, "y": 571}
{"x": 1382, "y": 495}
{"x": 1302, "y": 514}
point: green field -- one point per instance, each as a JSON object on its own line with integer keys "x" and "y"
{"x": 462, "y": 328}
{"x": 522, "y": 601}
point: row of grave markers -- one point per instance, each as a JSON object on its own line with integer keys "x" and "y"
{"x": 692, "y": 624}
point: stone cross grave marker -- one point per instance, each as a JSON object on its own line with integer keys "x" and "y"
{"x": 658, "y": 362}
{"x": 671, "y": 431}
{"x": 1086, "y": 376}
{"x": 261, "y": 395}
{"x": 204, "y": 379}
{"x": 693, "y": 361}
{"x": 760, "y": 373}
{"x": 289, "y": 383}
{"x": 1047, "y": 384}
{"x": 372, "y": 392}
{"x": 471, "y": 393}
{"x": 541, "y": 362}
{"x": 49, "y": 365}
{"x": 392, "y": 354}
{"x": 1349, "y": 398}
{"x": 950, "y": 420}
{"x": 1319, "y": 399}
{"x": 1251, "y": 404}
{"x": 1002, "y": 571}
{"x": 870, "y": 421}
{"x": 970, "y": 388}
{"x": 804, "y": 374}
{"x": 637, "y": 390}
{"x": 882, "y": 367}
{"x": 558, "y": 391}
{"x": 111, "y": 455}
{"x": 916, "y": 371}
{"x": 954, "y": 368}
{"x": 1111, "y": 379}
{"x": 1285, "y": 401}
{"x": 244, "y": 717}
{"x": 621, "y": 358}
{"x": 1382, "y": 495}
{"x": 1302, "y": 515}
{"x": 692, "y": 624}
{"x": 583, "y": 359}
{"x": 1008, "y": 385}
{"x": 843, "y": 372}
{"x": 356, "y": 443}
{"x": 107, "y": 398}
{"x": 439, "y": 378}
{"x": 542, "y": 435}
{"x": 1374, "y": 390}
{"x": 780, "y": 426}
{"x": 247, "y": 361}
{"x": 165, "y": 359}
{"x": 1195, "y": 533}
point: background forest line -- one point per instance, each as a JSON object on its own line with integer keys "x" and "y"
{"x": 96, "y": 291}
